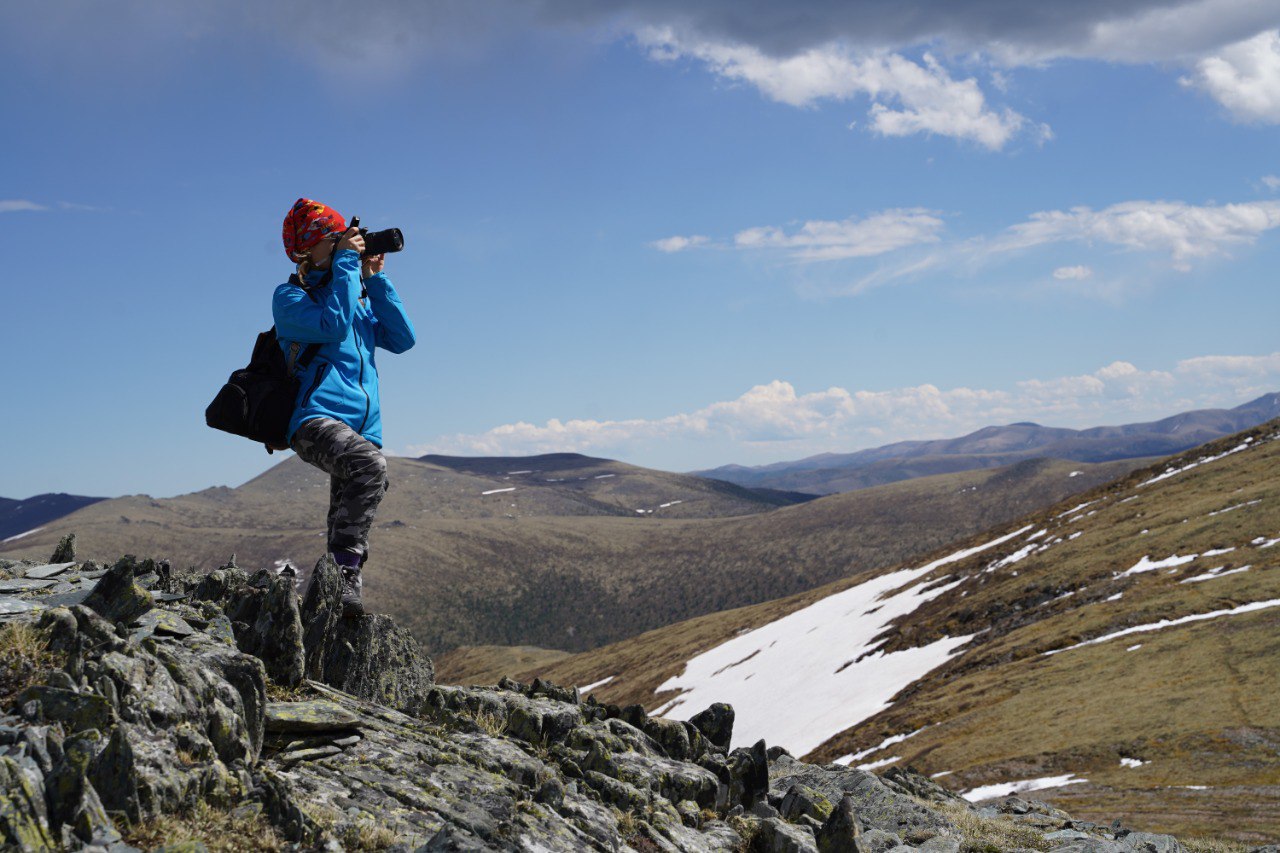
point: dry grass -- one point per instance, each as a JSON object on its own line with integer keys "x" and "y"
{"x": 24, "y": 657}
{"x": 1197, "y": 844}
{"x": 217, "y": 829}
{"x": 279, "y": 693}
{"x": 488, "y": 664}
{"x": 365, "y": 834}
{"x": 989, "y": 834}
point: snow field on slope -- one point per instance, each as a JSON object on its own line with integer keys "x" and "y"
{"x": 797, "y": 681}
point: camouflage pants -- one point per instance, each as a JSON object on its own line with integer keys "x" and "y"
{"x": 357, "y": 478}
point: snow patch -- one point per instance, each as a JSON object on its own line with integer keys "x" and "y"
{"x": 889, "y": 741}
{"x": 499, "y": 491}
{"x": 20, "y": 535}
{"x": 1236, "y": 507}
{"x": 1171, "y": 472}
{"x": 819, "y": 669}
{"x": 1132, "y": 762}
{"x": 1146, "y": 564}
{"x": 884, "y": 762}
{"x": 587, "y": 688}
{"x": 1169, "y": 623}
{"x": 1215, "y": 573}
{"x": 1004, "y": 789}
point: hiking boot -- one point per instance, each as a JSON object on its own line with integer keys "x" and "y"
{"x": 352, "y": 606}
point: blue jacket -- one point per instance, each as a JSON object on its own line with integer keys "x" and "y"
{"x": 341, "y": 382}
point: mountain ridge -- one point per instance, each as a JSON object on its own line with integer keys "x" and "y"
{"x": 828, "y": 473}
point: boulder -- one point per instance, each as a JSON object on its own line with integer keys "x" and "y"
{"x": 840, "y": 832}
{"x": 716, "y": 724}
{"x": 66, "y": 550}
{"x": 118, "y": 598}
{"x": 369, "y": 656}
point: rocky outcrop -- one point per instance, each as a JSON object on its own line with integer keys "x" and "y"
{"x": 370, "y": 657}
{"x": 157, "y": 699}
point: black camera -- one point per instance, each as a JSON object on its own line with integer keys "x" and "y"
{"x": 379, "y": 242}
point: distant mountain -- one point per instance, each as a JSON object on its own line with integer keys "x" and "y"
{"x": 990, "y": 447}
{"x": 27, "y": 516}
{"x": 1117, "y": 651}
{"x": 566, "y": 551}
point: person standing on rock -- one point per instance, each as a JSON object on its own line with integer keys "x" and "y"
{"x": 346, "y": 304}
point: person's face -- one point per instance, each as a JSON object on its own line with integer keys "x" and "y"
{"x": 321, "y": 252}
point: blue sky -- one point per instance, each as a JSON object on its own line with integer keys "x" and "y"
{"x": 746, "y": 234}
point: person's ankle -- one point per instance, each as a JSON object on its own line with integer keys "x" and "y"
{"x": 346, "y": 558}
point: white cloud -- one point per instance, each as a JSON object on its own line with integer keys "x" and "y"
{"x": 907, "y": 97}
{"x": 678, "y": 243}
{"x": 1184, "y": 231}
{"x": 14, "y": 205}
{"x": 1077, "y": 273}
{"x": 1271, "y": 182}
{"x": 1244, "y": 77}
{"x": 776, "y": 419}
{"x": 821, "y": 240}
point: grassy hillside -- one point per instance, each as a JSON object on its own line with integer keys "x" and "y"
{"x": 568, "y": 565}
{"x": 1171, "y": 726}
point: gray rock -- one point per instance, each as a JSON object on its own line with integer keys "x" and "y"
{"x": 10, "y": 606}
{"x": 716, "y": 724}
{"x": 840, "y": 833}
{"x": 313, "y": 716}
{"x": 1147, "y": 842}
{"x": 66, "y": 599}
{"x": 1066, "y": 835}
{"x": 879, "y": 806}
{"x": 25, "y": 585}
{"x": 370, "y": 656}
{"x": 274, "y": 632}
{"x": 803, "y": 800}
{"x": 777, "y": 836}
{"x": 876, "y": 840}
{"x": 66, "y": 550}
{"x": 49, "y": 570}
{"x": 908, "y": 781}
{"x": 762, "y": 809}
{"x": 1089, "y": 845}
{"x": 117, "y": 597}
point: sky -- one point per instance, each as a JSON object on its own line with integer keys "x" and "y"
{"x": 681, "y": 236}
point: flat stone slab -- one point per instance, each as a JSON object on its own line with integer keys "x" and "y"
{"x": 314, "y": 754}
{"x": 48, "y": 570}
{"x": 67, "y": 599}
{"x": 25, "y": 585}
{"x": 170, "y": 596}
{"x": 314, "y": 716}
{"x": 168, "y": 622}
{"x": 10, "y": 606}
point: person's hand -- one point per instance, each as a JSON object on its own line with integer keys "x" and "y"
{"x": 372, "y": 265}
{"x": 353, "y": 240}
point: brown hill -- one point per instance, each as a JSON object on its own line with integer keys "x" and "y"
{"x": 1121, "y": 647}
{"x": 568, "y": 565}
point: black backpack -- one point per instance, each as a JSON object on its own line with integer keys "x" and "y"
{"x": 258, "y": 401}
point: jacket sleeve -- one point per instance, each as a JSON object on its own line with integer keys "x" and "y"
{"x": 394, "y": 330}
{"x": 327, "y": 319}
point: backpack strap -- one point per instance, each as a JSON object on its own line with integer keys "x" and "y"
{"x": 309, "y": 353}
